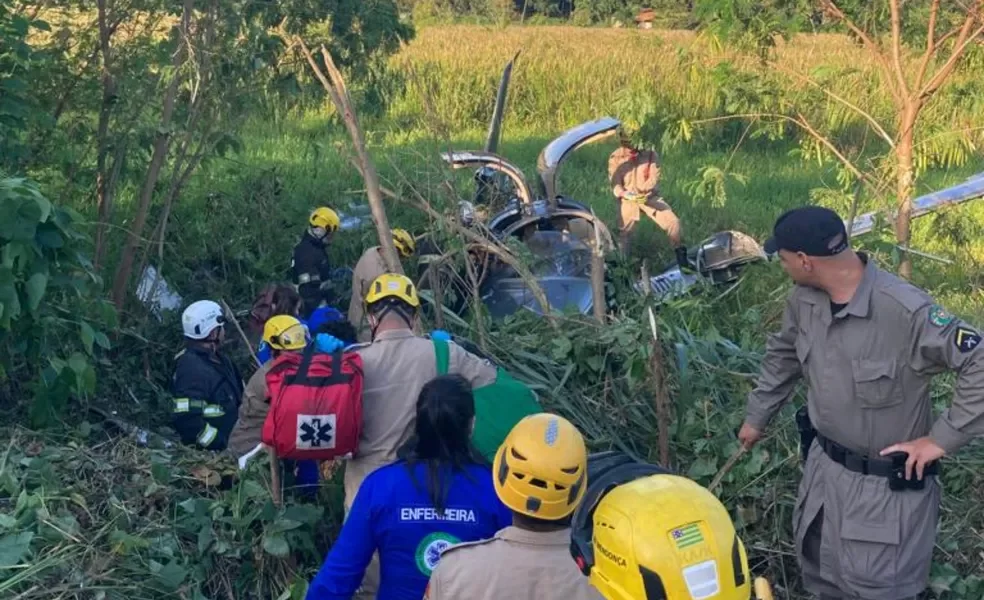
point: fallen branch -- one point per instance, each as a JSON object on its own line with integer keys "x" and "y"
{"x": 343, "y": 103}
{"x": 727, "y": 467}
{"x": 235, "y": 321}
{"x": 662, "y": 395}
{"x": 598, "y": 276}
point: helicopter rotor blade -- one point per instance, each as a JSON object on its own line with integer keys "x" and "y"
{"x": 495, "y": 126}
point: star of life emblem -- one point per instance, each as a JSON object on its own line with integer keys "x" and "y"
{"x": 315, "y": 432}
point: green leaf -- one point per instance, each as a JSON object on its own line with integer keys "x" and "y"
{"x": 305, "y": 513}
{"x": 49, "y": 237}
{"x": 77, "y": 362}
{"x": 7, "y": 521}
{"x": 281, "y": 525}
{"x": 170, "y": 575}
{"x": 14, "y": 547}
{"x": 88, "y": 336}
{"x": 35, "y": 287}
{"x": 205, "y": 538}
{"x": 102, "y": 341}
{"x": 702, "y": 467}
{"x": 276, "y": 544}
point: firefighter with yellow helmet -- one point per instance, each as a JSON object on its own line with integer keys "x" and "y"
{"x": 396, "y": 364}
{"x": 370, "y": 266}
{"x": 540, "y": 473}
{"x": 309, "y": 265}
{"x": 283, "y": 333}
{"x": 689, "y": 547}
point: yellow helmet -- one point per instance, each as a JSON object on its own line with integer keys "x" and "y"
{"x": 284, "y": 332}
{"x": 643, "y": 533}
{"x": 392, "y": 285}
{"x": 404, "y": 242}
{"x": 325, "y": 218}
{"x": 541, "y": 467}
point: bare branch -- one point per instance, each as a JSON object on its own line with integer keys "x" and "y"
{"x": 934, "y": 11}
{"x": 865, "y": 114}
{"x": 897, "y": 46}
{"x": 963, "y": 40}
{"x": 339, "y": 95}
{"x": 874, "y": 48}
{"x": 801, "y": 122}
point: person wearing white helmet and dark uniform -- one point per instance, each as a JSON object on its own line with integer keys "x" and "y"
{"x": 206, "y": 386}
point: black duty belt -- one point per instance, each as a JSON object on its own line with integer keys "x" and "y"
{"x": 891, "y": 468}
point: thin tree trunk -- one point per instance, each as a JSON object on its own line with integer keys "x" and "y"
{"x": 103, "y": 190}
{"x": 161, "y": 146}
{"x": 904, "y": 154}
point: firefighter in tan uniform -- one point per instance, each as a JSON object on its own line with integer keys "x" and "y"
{"x": 540, "y": 473}
{"x": 370, "y": 266}
{"x": 283, "y": 333}
{"x": 867, "y": 343}
{"x": 634, "y": 175}
{"x": 396, "y": 365}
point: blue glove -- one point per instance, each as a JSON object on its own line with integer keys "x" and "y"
{"x": 440, "y": 334}
{"x": 264, "y": 353}
{"x": 328, "y": 343}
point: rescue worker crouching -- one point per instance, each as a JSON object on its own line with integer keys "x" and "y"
{"x": 206, "y": 385}
{"x": 540, "y": 474}
{"x": 310, "y": 266}
{"x": 370, "y": 266}
{"x": 643, "y": 533}
{"x": 634, "y": 175}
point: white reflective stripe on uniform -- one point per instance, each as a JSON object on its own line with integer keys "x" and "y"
{"x": 213, "y": 410}
{"x": 207, "y": 436}
{"x": 183, "y": 405}
{"x": 307, "y": 278}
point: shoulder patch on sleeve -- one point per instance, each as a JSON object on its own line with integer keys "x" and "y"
{"x": 939, "y": 317}
{"x": 966, "y": 339}
{"x": 461, "y": 545}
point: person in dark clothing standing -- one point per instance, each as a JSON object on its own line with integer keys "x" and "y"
{"x": 207, "y": 386}
{"x": 309, "y": 265}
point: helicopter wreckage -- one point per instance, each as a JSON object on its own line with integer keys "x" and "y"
{"x": 557, "y": 233}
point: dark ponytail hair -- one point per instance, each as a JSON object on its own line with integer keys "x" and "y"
{"x": 442, "y": 434}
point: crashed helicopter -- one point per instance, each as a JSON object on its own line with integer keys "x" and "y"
{"x": 557, "y": 232}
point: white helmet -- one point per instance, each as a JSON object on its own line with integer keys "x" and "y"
{"x": 200, "y": 318}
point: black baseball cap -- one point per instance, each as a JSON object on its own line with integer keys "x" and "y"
{"x": 812, "y": 230}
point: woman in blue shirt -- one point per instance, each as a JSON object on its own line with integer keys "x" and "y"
{"x": 438, "y": 493}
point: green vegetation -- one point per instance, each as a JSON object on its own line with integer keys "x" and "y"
{"x": 252, "y": 145}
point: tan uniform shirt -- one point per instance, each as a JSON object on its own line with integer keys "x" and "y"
{"x": 370, "y": 266}
{"x": 868, "y": 371}
{"x": 516, "y": 564}
{"x": 636, "y": 173}
{"x": 395, "y": 368}
{"x": 252, "y": 413}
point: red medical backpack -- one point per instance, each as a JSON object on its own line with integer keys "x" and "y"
{"x": 315, "y": 405}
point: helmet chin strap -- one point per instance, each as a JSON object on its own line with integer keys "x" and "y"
{"x": 399, "y": 310}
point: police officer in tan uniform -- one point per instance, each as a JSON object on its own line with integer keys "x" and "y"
{"x": 634, "y": 176}
{"x": 540, "y": 473}
{"x": 370, "y": 266}
{"x": 867, "y": 344}
{"x": 396, "y": 365}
